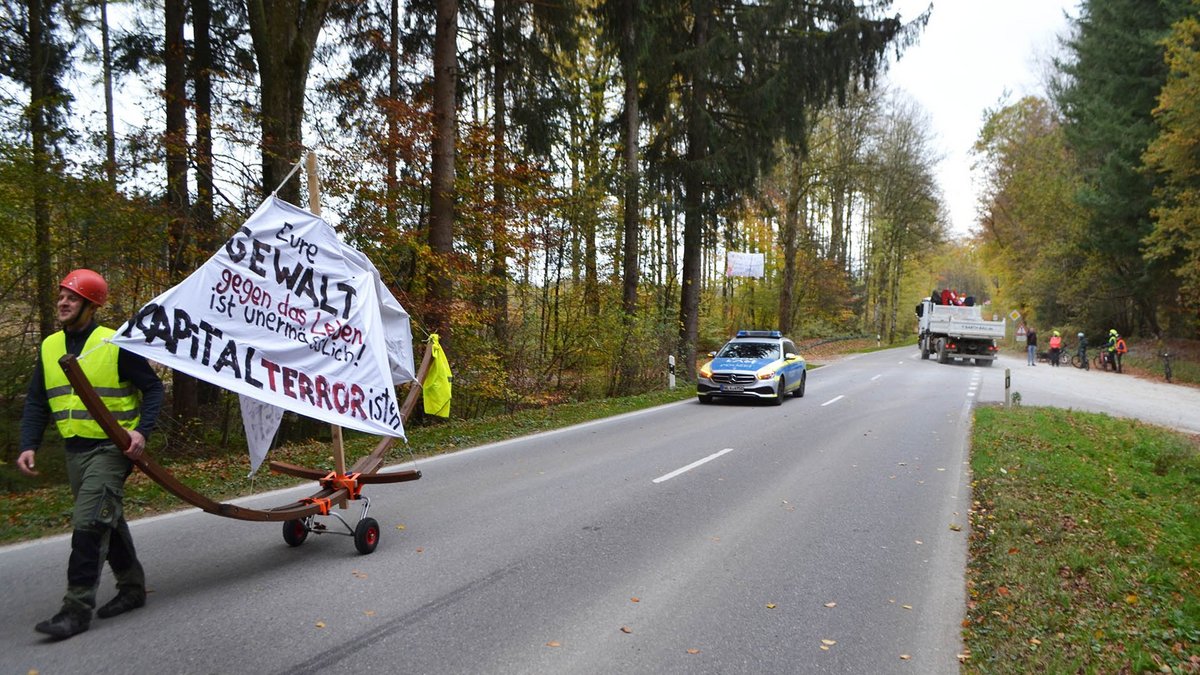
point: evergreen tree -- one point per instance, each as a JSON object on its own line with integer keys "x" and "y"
{"x": 33, "y": 54}
{"x": 1109, "y": 89}
{"x": 1172, "y": 154}
{"x": 750, "y": 74}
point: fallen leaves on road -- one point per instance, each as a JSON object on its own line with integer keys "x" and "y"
{"x": 320, "y": 624}
{"x": 626, "y": 630}
{"x": 635, "y": 599}
{"x": 554, "y": 643}
{"x": 693, "y": 651}
{"x": 956, "y": 527}
{"x": 770, "y": 605}
{"x": 905, "y": 657}
{"x": 831, "y": 605}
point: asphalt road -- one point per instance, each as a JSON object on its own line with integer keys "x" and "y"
{"x": 825, "y": 535}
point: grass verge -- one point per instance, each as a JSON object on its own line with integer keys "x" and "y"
{"x": 1085, "y": 545}
{"x": 44, "y": 507}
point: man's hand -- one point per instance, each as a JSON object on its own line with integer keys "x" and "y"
{"x": 137, "y": 443}
{"x": 25, "y": 463}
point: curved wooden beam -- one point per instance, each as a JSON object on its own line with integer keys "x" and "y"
{"x": 367, "y": 466}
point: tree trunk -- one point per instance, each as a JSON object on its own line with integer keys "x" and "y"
{"x": 39, "y": 130}
{"x": 393, "y": 183}
{"x": 787, "y": 235}
{"x": 629, "y": 71}
{"x": 441, "y": 212}
{"x": 693, "y": 198}
{"x": 499, "y": 272}
{"x": 183, "y": 393}
{"x": 203, "y": 214}
{"x": 285, "y": 34}
{"x": 110, "y": 136}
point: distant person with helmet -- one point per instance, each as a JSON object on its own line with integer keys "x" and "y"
{"x": 96, "y": 469}
{"x": 1115, "y": 350}
{"x": 1055, "y": 347}
{"x": 1083, "y": 351}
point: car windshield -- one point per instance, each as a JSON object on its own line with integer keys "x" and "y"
{"x": 749, "y": 350}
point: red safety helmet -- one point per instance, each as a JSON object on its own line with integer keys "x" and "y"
{"x": 88, "y": 284}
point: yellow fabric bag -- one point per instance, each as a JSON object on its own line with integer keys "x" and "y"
{"x": 436, "y": 388}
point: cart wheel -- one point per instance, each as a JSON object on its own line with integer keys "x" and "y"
{"x": 294, "y": 532}
{"x": 366, "y": 535}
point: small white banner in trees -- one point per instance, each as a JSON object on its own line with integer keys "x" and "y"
{"x": 744, "y": 265}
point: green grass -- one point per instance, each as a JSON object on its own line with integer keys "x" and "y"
{"x": 1085, "y": 545}
{"x": 41, "y": 506}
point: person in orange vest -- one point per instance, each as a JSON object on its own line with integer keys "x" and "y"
{"x": 96, "y": 469}
{"x": 1055, "y": 348}
{"x": 1116, "y": 349}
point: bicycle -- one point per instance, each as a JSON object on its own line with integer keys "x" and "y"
{"x": 1080, "y": 360}
{"x": 1100, "y": 360}
{"x": 1064, "y": 358}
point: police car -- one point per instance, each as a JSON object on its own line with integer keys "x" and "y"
{"x": 754, "y": 364}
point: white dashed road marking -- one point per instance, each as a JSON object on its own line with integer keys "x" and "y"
{"x": 691, "y": 466}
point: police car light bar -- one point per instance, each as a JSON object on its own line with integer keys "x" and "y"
{"x": 760, "y": 333}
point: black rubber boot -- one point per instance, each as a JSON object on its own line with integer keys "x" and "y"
{"x": 125, "y": 601}
{"x": 64, "y": 624}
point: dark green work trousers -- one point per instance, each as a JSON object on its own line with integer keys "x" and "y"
{"x": 97, "y": 479}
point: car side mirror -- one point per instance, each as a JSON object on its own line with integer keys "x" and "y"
{"x": 712, "y": 355}
{"x": 791, "y": 357}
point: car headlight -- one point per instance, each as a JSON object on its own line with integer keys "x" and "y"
{"x": 766, "y": 375}
{"x": 706, "y": 371}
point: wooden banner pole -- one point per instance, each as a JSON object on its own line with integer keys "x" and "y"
{"x": 314, "y": 205}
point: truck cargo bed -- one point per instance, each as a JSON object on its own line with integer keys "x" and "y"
{"x": 963, "y": 322}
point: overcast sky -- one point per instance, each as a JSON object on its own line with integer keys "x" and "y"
{"x": 971, "y": 53}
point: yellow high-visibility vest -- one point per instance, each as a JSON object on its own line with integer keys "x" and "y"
{"x": 99, "y": 362}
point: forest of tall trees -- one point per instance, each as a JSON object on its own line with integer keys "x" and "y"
{"x": 553, "y": 187}
{"x": 1088, "y": 217}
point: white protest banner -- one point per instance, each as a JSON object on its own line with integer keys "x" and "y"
{"x": 286, "y": 314}
{"x": 745, "y": 265}
{"x": 261, "y": 421}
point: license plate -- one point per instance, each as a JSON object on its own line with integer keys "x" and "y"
{"x": 733, "y": 387}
